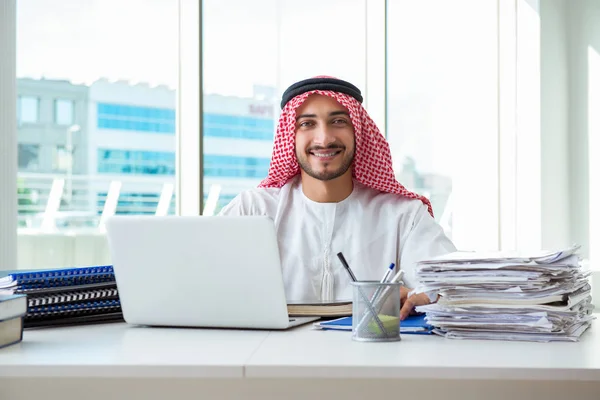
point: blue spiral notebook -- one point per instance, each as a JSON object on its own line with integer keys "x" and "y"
{"x": 38, "y": 279}
{"x": 414, "y": 324}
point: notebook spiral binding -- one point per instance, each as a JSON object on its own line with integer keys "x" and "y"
{"x": 24, "y": 281}
{"x": 42, "y": 291}
{"x": 73, "y": 309}
{"x": 69, "y": 297}
{"x": 38, "y": 275}
{"x": 65, "y": 281}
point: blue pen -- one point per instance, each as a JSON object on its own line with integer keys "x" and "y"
{"x": 383, "y": 280}
{"x": 388, "y": 273}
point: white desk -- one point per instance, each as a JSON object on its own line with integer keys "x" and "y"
{"x": 114, "y": 361}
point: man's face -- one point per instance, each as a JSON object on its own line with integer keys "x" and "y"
{"x": 324, "y": 138}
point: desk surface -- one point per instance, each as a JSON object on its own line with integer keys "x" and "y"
{"x": 119, "y": 350}
{"x": 309, "y": 354}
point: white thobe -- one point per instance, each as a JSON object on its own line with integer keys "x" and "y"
{"x": 372, "y": 229}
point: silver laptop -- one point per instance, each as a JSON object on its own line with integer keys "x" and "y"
{"x": 214, "y": 272}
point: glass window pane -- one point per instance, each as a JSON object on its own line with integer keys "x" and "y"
{"x": 106, "y": 99}
{"x": 442, "y": 104}
{"x": 63, "y": 112}
{"x": 28, "y": 157}
{"x": 241, "y": 109}
{"x": 28, "y": 109}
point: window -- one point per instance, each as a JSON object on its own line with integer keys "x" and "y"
{"x": 62, "y": 159}
{"x": 241, "y": 109}
{"x": 218, "y": 166}
{"x": 116, "y": 161}
{"x": 108, "y": 96}
{"x": 133, "y": 118}
{"x": 236, "y": 127}
{"x": 63, "y": 112}
{"x": 28, "y": 157}
{"x": 442, "y": 111}
{"x": 28, "y": 109}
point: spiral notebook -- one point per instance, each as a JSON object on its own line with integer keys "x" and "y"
{"x": 76, "y": 296}
{"x": 73, "y": 308}
{"x": 37, "y": 292}
{"x": 71, "y": 320}
{"x": 24, "y": 281}
{"x": 93, "y": 311}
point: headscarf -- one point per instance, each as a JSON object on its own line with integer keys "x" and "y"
{"x": 372, "y": 164}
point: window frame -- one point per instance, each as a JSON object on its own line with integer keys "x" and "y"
{"x": 189, "y": 134}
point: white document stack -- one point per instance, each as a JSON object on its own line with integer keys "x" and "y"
{"x": 537, "y": 297}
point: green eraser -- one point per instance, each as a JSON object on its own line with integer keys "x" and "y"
{"x": 390, "y": 323}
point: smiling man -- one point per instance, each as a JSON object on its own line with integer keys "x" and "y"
{"x": 331, "y": 188}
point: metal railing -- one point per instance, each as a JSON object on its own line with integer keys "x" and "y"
{"x": 55, "y": 203}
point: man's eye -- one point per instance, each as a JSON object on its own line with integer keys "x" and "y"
{"x": 340, "y": 121}
{"x": 305, "y": 124}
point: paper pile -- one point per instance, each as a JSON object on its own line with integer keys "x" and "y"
{"x": 538, "y": 297}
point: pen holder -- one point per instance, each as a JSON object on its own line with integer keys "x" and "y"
{"x": 376, "y": 311}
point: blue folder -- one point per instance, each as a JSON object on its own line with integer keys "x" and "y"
{"x": 414, "y": 324}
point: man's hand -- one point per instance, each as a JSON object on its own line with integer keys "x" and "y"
{"x": 409, "y": 303}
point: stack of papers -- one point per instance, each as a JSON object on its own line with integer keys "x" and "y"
{"x": 537, "y": 297}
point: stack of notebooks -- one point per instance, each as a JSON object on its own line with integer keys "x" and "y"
{"x": 66, "y": 296}
{"x": 507, "y": 296}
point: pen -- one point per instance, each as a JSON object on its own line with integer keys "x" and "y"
{"x": 398, "y": 277}
{"x": 388, "y": 272}
{"x": 345, "y": 264}
{"x": 363, "y": 295}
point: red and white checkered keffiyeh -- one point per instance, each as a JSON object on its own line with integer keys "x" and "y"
{"x": 372, "y": 160}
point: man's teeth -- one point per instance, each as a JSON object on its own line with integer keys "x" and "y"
{"x": 325, "y": 154}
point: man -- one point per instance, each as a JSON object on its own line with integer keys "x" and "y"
{"x": 331, "y": 188}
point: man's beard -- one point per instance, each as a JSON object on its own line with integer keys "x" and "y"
{"x": 328, "y": 174}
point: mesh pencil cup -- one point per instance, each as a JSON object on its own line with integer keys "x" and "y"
{"x": 375, "y": 311}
